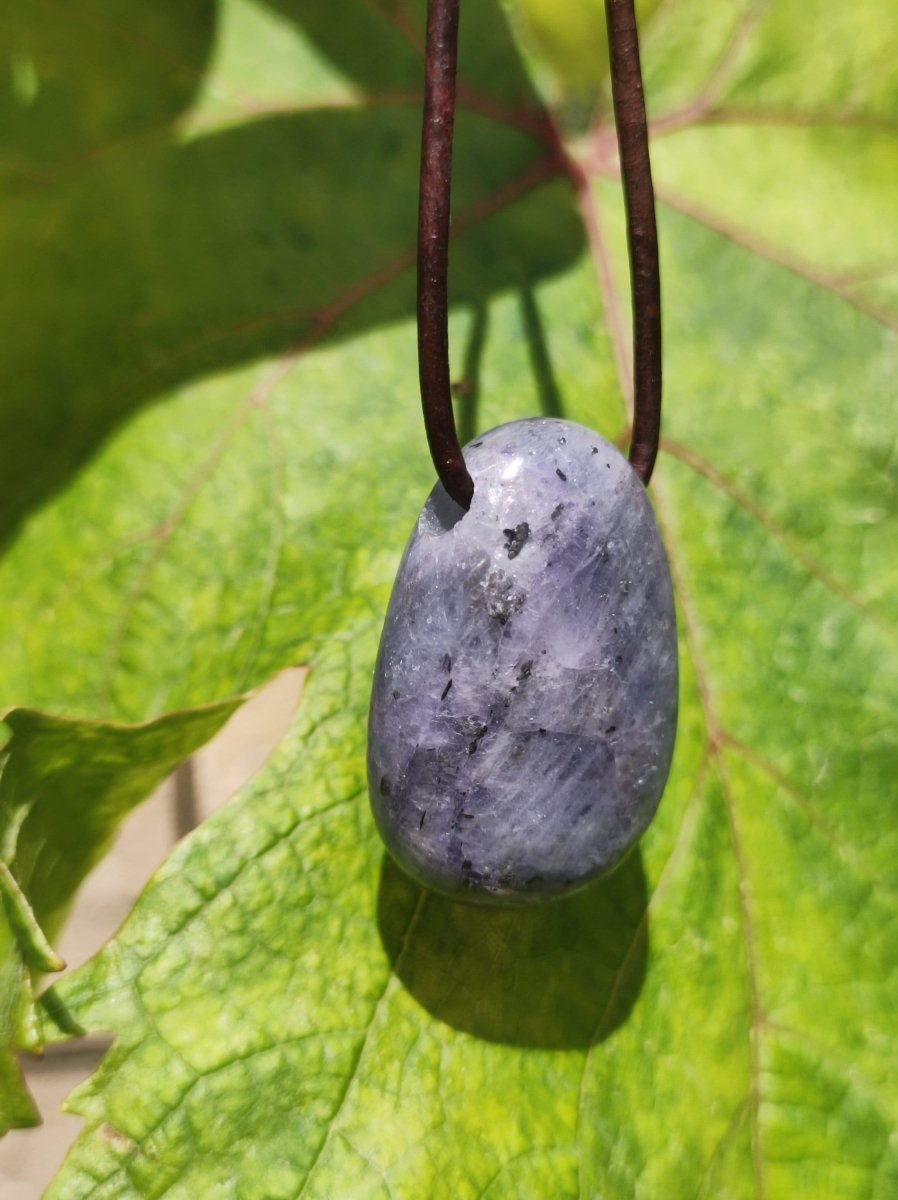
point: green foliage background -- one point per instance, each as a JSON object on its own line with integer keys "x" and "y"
{"x": 211, "y": 460}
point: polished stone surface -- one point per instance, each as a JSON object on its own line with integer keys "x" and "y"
{"x": 525, "y": 696}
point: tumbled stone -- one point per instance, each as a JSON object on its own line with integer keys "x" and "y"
{"x": 525, "y": 695}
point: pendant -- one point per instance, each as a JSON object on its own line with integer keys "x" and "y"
{"x": 524, "y": 706}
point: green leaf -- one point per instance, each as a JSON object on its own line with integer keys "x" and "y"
{"x": 65, "y": 786}
{"x": 37, "y": 953}
{"x": 210, "y": 218}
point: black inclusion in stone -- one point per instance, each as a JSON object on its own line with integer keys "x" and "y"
{"x": 516, "y": 539}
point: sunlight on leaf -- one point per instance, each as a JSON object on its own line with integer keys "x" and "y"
{"x": 214, "y": 472}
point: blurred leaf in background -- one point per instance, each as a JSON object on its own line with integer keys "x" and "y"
{"x": 213, "y": 459}
{"x": 566, "y": 45}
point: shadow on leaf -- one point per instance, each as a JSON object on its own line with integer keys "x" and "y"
{"x": 560, "y": 976}
{"x": 137, "y": 258}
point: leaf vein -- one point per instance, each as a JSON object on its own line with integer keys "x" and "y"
{"x": 791, "y": 544}
{"x": 748, "y": 928}
{"x": 621, "y": 972}
{"x": 755, "y": 244}
{"x": 357, "y": 1061}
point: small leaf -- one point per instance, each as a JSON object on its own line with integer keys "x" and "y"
{"x": 571, "y": 37}
{"x": 65, "y": 786}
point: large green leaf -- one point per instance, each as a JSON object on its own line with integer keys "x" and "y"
{"x": 210, "y": 221}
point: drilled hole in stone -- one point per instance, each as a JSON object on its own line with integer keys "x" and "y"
{"x": 440, "y": 514}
